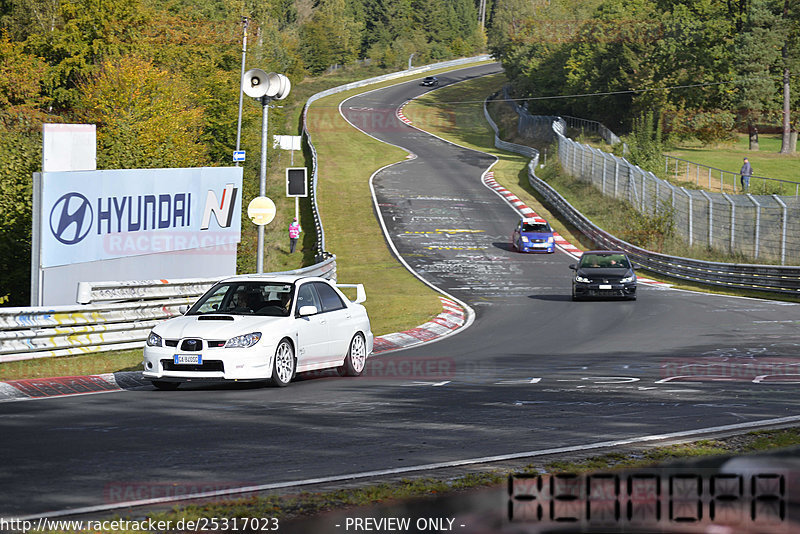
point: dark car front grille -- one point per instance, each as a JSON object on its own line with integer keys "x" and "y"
{"x": 207, "y": 366}
{"x": 192, "y": 345}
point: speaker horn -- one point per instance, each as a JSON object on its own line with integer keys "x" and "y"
{"x": 255, "y": 83}
{"x": 286, "y": 86}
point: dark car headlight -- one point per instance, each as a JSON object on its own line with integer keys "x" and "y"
{"x": 582, "y": 279}
{"x": 628, "y": 279}
{"x": 154, "y": 340}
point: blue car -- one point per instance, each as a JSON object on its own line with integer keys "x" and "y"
{"x": 533, "y": 234}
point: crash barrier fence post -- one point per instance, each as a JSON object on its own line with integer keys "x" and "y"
{"x": 761, "y": 278}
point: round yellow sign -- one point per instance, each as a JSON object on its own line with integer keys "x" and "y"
{"x": 261, "y": 210}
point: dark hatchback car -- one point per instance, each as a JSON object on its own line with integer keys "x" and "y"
{"x": 603, "y": 274}
{"x": 430, "y": 81}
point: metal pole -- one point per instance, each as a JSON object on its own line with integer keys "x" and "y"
{"x": 758, "y": 223}
{"x": 262, "y": 185}
{"x": 241, "y": 92}
{"x": 733, "y": 219}
{"x": 710, "y": 217}
{"x": 690, "y": 214}
{"x": 783, "y": 228}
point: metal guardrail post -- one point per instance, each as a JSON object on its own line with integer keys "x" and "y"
{"x": 616, "y": 178}
{"x": 604, "y": 174}
{"x": 758, "y": 224}
{"x": 783, "y": 228}
{"x": 733, "y": 219}
{"x": 710, "y": 217}
{"x": 689, "y": 214}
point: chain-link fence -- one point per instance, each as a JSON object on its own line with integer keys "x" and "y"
{"x": 761, "y": 227}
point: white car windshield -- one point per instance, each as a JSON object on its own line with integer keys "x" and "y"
{"x": 246, "y": 298}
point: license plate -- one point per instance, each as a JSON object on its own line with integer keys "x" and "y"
{"x": 604, "y": 286}
{"x": 188, "y": 359}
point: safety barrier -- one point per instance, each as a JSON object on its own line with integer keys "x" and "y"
{"x": 107, "y": 321}
{"x": 766, "y": 278}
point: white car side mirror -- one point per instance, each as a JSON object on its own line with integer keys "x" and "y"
{"x": 305, "y": 311}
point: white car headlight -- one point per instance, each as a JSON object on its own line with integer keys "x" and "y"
{"x": 524, "y": 239}
{"x": 243, "y": 342}
{"x": 582, "y": 280}
{"x": 154, "y": 340}
{"x": 627, "y": 279}
{"x": 550, "y": 239}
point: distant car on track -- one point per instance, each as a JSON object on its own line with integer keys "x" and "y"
{"x": 261, "y": 327}
{"x": 430, "y": 81}
{"x": 603, "y": 273}
{"x": 533, "y": 234}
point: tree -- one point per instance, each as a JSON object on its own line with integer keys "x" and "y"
{"x": 145, "y": 116}
{"x": 332, "y": 36}
{"x": 758, "y": 53}
{"x": 789, "y": 59}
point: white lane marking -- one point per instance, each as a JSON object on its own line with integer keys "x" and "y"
{"x": 522, "y": 381}
{"x": 412, "y": 468}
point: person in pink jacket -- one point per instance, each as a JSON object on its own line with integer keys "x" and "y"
{"x": 294, "y": 234}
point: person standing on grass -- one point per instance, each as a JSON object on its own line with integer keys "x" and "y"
{"x": 294, "y": 234}
{"x": 746, "y": 172}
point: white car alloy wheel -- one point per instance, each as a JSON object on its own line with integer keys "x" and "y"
{"x": 356, "y": 357}
{"x": 284, "y": 364}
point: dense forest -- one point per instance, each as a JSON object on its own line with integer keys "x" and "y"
{"x": 706, "y": 68}
{"x": 160, "y": 79}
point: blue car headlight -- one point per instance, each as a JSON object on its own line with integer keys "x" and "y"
{"x": 550, "y": 239}
{"x": 243, "y": 342}
{"x": 524, "y": 239}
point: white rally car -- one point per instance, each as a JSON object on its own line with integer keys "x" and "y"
{"x": 261, "y": 327}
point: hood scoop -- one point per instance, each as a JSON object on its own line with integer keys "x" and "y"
{"x": 215, "y": 318}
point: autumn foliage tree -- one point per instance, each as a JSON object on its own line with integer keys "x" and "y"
{"x": 144, "y": 115}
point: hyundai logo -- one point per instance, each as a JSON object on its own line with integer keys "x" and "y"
{"x": 71, "y": 218}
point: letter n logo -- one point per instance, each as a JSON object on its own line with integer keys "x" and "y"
{"x": 222, "y": 210}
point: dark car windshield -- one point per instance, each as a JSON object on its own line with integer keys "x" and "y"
{"x": 246, "y": 298}
{"x": 541, "y": 228}
{"x": 605, "y": 261}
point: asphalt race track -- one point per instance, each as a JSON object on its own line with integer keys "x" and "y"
{"x": 535, "y": 371}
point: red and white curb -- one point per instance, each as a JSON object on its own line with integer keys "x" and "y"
{"x": 401, "y": 115}
{"x": 40, "y": 388}
{"x": 561, "y": 243}
{"x": 452, "y": 318}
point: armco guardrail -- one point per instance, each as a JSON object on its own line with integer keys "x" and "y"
{"x": 107, "y": 323}
{"x": 321, "y": 252}
{"x": 767, "y": 278}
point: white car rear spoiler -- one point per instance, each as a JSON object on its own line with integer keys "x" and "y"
{"x": 361, "y": 295}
